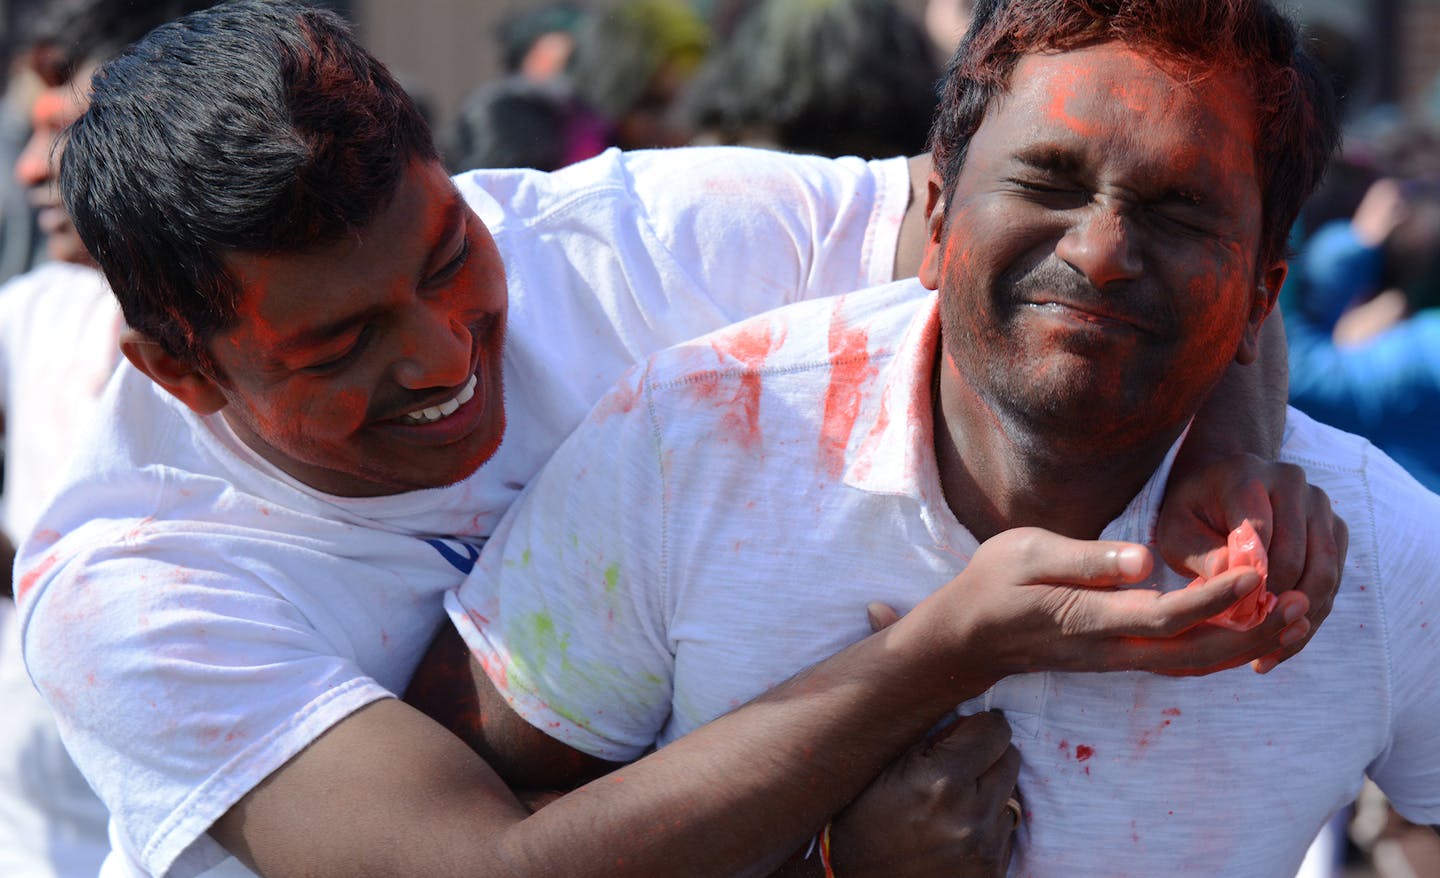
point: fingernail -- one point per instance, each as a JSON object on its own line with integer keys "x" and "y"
{"x": 1132, "y": 561}
{"x": 1294, "y": 611}
{"x": 872, "y": 614}
{"x": 1265, "y": 665}
{"x": 1294, "y": 633}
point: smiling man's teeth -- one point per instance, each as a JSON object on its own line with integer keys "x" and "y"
{"x": 444, "y": 409}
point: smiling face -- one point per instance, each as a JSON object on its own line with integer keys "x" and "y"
{"x": 373, "y": 365}
{"x": 1098, "y": 261}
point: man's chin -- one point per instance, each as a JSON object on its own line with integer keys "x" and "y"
{"x": 67, "y": 247}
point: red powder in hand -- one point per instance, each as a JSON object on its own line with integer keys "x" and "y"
{"x": 1246, "y": 550}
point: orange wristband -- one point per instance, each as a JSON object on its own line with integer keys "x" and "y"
{"x": 825, "y": 852}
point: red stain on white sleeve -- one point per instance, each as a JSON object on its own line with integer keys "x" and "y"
{"x": 850, "y": 369}
{"x": 32, "y": 576}
{"x": 751, "y": 346}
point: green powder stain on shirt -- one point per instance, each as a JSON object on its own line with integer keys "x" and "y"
{"x": 534, "y": 644}
{"x": 612, "y": 578}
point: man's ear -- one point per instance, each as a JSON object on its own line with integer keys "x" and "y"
{"x": 1263, "y": 303}
{"x": 181, "y": 379}
{"x": 934, "y": 232}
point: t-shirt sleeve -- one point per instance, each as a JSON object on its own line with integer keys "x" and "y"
{"x": 566, "y": 608}
{"x": 760, "y": 229}
{"x": 179, "y": 681}
{"x": 1409, "y": 559}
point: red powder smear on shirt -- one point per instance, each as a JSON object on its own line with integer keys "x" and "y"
{"x": 28, "y": 581}
{"x": 619, "y": 401}
{"x": 1083, "y": 752}
{"x": 849, "y": 370}
{"x": 751, "y": 348}
{"x": 1246, "y": 550}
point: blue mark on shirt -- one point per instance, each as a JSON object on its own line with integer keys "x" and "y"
{"x": 463, "y": 562}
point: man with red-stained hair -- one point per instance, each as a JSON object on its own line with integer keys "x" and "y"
{"x": 1114, "y": 185}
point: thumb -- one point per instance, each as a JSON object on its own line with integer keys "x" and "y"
{"x": 1030, "y": 555}
{"x": 881, "y": 616}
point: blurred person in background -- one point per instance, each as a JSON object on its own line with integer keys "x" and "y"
{"x": 516, "y": 122}
{"x": 21, "y": 245}
{"x": 946, "y": 21}
{"x": 59, "y": 327}
{"x": 536, "y": 44}
{"x": 829, "y": 77}
{"x": 631, "y": 63}
{"x": 1362, "y": 311}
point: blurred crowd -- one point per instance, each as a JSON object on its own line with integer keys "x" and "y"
{"x": 1361, "y": 305}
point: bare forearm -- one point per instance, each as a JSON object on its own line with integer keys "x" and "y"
{"x": 1246, "y": 412}
{"x": 738, "y": 795}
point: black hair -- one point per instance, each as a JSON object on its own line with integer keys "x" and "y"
{"x": 254, "y": 126}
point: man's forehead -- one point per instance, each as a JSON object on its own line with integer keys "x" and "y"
{"x": 284, "y": 294}
{"x": 1074, "y": 89}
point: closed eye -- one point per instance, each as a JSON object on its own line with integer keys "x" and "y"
{"x": 1050, "y": 192}
{"x": 343, "y": 359}
{"x": 451, "y": 268}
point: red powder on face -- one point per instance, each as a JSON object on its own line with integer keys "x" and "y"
{"x": 849, "y": 370}
{"x": 1246, "y": 550}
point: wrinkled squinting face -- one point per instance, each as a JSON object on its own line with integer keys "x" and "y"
{"x": 38, "y": 166}
{"x": 1098, "y": 265}
{"x": 373, "y": 366}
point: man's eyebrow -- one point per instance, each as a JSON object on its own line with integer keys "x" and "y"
{"x": 1048, "y": 157}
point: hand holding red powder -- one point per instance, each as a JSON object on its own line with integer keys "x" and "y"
{"x": 1245, "y": 550}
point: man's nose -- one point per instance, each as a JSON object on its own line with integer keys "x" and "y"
{"x": 1101, "y": 245}
{"x": 35, "y": 165}
{"x": 437, "y": 349}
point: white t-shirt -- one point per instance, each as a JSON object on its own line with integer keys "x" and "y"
{"x": 196, "y": 617}
{"x": 58, "y": 331}
{"x": 720, "y": 521}
{"x": 59, "y": 327}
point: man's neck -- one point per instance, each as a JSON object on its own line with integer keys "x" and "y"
{"x": 997, "y": 473}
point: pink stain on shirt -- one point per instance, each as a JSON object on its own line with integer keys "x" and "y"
{"x": 1246, "y": 550}
{"x": 32, "y": 576}
{"x": 850, "y": 369}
